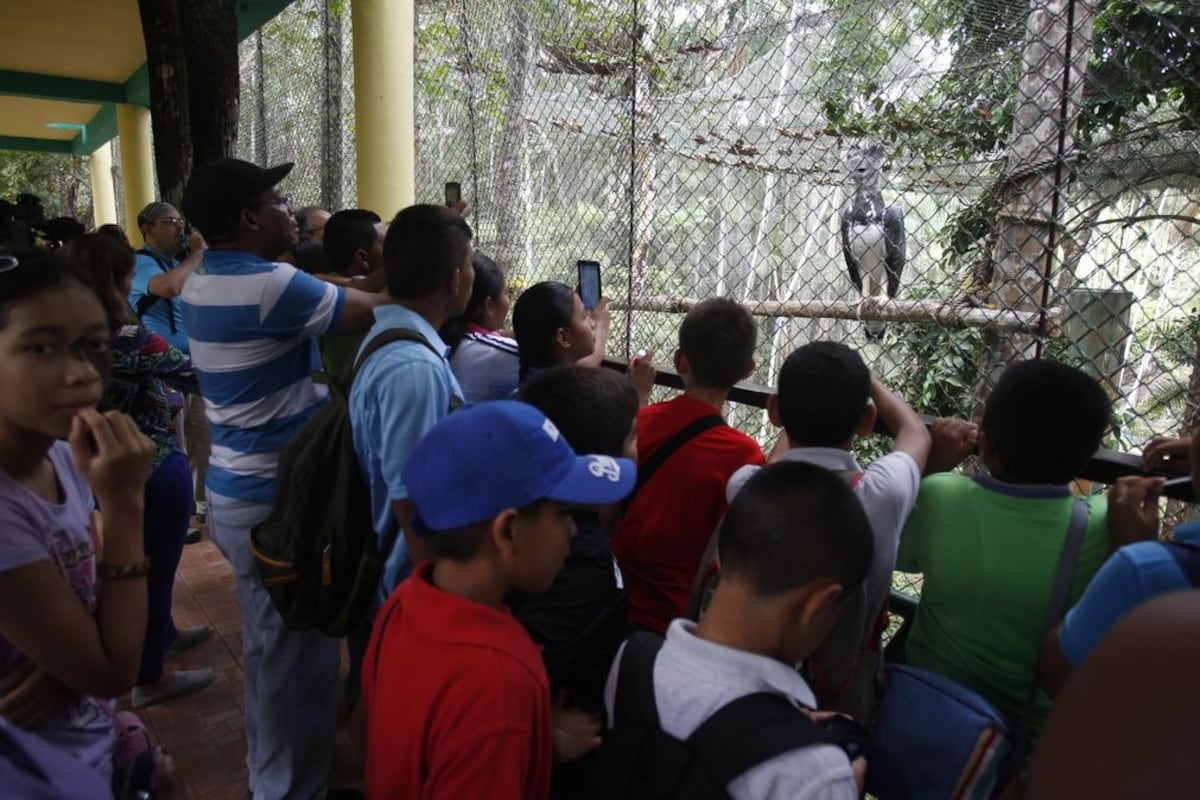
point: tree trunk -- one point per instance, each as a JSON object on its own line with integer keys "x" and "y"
{"x": 331, "y": 117}
{"x": 168, "y": 77}
{"x": 261, "y": 144}
{"x": 210, "y": 45}
{"x": 510, "y": 213}
{"x": 1058, "y": 39}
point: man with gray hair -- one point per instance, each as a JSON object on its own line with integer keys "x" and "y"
{"x": 158, "y": 279}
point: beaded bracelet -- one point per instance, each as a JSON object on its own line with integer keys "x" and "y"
{"x": 118, "y": 572}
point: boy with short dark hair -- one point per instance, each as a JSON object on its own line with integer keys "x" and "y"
{"x": 989, "y": 545}
{"x": 793, "y": 544}
{"x": 579, "y": 621}
{"x": 670, "y": 519}
{"x": 458, "y": 704}
{"x": 827, "y": 399}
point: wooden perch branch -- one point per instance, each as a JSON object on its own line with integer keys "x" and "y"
{"x": 938, "y": 312}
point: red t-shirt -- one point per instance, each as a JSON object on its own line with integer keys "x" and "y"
{"x": 666, "y": 528}
{"x": 458, "y": 705}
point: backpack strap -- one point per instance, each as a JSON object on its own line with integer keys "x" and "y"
{"x": 750, "y": 730}
{"x": 1067, "y": 560}
{"x": 382, "y": 340}
{"x": 635, "y": 704}
{"x": 1187, "y": 556}
{"x": 149, "y": 300}
{"x": 686, "y": 434}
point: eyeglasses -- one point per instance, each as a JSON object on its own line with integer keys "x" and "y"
{"x": 176, "y": 221}
{"x": 281, "y": 202}
{"x": 8, "y": 264}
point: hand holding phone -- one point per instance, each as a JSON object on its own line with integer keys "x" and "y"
{"x": 589, "y": 283}
{"x": 453, "y": 193}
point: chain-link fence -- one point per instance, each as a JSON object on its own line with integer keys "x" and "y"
{"x": 1002, "y": 182}
{"x": 297, "y": 101}
{"x": 1030, "y": 178}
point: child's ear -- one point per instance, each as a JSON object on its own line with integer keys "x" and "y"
{"x": 867, "y": 425}
{"x": 681, "y": 362}
{"x": 562, "y": 339}
{"x": 360, "y": 262}
{"x": 821, "y": 605}
{"x": 452, "y": 283}
{"x": 773, "y": 410}
{"x": 749, "y": 370}
{"x": 503, "y": 534}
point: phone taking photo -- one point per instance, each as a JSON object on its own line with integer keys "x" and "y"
{"x": 589, "y": 283}
{"x": 453, "y": 193}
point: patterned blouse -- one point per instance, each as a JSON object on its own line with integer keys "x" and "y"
{"x": 148, "y": 375}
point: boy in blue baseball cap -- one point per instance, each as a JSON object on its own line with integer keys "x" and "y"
{"x": 457, "y": 698}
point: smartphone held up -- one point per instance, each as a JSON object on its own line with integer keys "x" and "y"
{"x": 589, "y": 283}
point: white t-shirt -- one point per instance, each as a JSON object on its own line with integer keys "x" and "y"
{"x": 888, "y": 493}
{"x": 487, "y": 367}
{"x": 694, "y": 678}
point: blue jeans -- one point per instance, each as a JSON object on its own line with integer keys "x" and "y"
{"x": 291, "y": 675}
{"x": 164, "y": 526}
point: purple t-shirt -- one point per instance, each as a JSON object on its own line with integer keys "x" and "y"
{"x": 33, "y": 530}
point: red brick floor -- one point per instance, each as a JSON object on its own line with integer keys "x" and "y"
{"x": 204, "y": 732}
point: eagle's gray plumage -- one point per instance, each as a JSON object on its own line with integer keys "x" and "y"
{"x": 873, "y": 240}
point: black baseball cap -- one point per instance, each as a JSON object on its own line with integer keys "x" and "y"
{"x": 218, "y": 191}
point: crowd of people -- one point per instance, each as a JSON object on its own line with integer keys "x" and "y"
{"x": 583, "y": 593}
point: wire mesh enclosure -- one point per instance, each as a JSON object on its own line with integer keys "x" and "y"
{"x": 948, "y": 185}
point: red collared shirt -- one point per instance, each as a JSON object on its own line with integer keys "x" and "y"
{"x": 458, "y": 703}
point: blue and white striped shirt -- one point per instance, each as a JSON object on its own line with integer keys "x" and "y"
{"x": 252, "y": 326}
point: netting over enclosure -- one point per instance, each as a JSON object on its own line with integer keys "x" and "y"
{"x": 297, "y": 101}
{"x": 1031, "y": 177}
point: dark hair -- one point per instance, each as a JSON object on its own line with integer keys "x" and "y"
{"x": 347, "y": 232}
{"x": 539, "y": 313}
{"x": 593, "y": 408}
{"x": 62, "y": 230}
{"x": 488, "y": 285}
{"x": 424, "y": 246}
{"x": 794, "y": 523}
{"x": 823, "y": 392}
{"x": 1044, "y": 420}
{"x": 103, "y": 263}
{"x": 116, "y": 232}
{"x": 718, "y": 337}
{"x": 462, "y": 544}
{"x": 38, "y": 271}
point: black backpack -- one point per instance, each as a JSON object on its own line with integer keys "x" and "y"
{"x": 317, "y": 552}
{"x": 639, "y": 761}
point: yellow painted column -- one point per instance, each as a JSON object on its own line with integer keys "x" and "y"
{"x": 385, "y": 132}
{"x": 104, "y": 196}
{"x": 137, "y": 163}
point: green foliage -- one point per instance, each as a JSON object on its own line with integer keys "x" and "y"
{"x": 938, "y": 367}
{"x": 63, "y": 182}
{"x": 1144, "y": 55}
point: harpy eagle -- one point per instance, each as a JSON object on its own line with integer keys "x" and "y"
{"x": 872, "y": 235}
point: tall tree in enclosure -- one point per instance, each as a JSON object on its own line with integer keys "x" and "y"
{"x": 192, "y": 59}
{"x": 1033, "y": 198}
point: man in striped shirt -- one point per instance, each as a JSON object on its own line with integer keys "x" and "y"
{"x": 252, "y": 325}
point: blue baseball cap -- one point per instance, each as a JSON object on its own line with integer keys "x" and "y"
{"x": 486, "y": 458}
